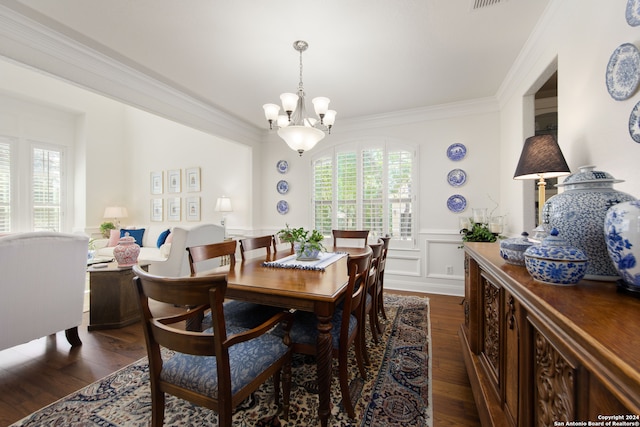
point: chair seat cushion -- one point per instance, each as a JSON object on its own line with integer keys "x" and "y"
{"x": 305, "y": 328}
{"x": 247, "y": 361}
{"x": 244, "y": 314}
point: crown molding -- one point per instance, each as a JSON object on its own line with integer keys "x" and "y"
{"x": 36, "y": 46}
{"x": 422, "y": 114}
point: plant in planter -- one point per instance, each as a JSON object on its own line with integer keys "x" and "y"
{"x": 306, "y": 244}
{"x": 105, "y": 228}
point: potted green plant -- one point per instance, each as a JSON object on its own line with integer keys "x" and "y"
{"x": 106, "y": 227}
{"x": 306, "y": 244}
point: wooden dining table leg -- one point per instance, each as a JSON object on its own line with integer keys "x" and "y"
{"x": 324, "y": 363}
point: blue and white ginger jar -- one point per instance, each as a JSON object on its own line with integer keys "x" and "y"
{"x": 578, "y": 214}
{"x": 622, "y": 234}
{"x": 555, "y": 262}
{"x": 512, "y": 250}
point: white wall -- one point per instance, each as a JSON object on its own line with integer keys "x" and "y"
{"x": 593, "y": 128}
{"x": 116, "y": 148}
{"x": 157, "y": 144}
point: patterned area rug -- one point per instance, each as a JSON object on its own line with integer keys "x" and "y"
{"x": 396, "y": 393}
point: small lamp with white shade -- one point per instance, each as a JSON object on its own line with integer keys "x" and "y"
{"x": 116, "y": 212}
{"x": 223, "y": 204}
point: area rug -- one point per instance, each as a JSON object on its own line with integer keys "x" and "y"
{"x": 397, "y": 391}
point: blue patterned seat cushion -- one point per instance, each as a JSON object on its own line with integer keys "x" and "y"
{"x": 305, "y": 328}
{"x": 244, "y": 314}
{"x": 247, "y": 360}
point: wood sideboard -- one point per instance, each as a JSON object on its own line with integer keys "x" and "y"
{"x": 545, "y": 355}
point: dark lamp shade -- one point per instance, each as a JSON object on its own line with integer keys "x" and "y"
{"x": 541, "y": 158}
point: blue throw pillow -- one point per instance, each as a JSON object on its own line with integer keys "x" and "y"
{"x": 162, "y": 237}
{"x": 136, "y": 234}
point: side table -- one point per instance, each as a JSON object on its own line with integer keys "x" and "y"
{"x": 112, "y": 298}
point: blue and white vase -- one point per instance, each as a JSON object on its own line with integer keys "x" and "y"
{"x": 305, "y": 252}
{"x": 578, "y": 214}
{"x": 555, "y": 261}
{"x": 622, "y": 234}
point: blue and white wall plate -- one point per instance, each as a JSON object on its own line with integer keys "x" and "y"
{"x": 623, "y": 72}
{"x": 282, "y": 207}
{"x": 456, "y": 152}
{"x": 457, "y": 177}
{"x": 634, "y": 123}
{"x": 632, "y": 13}
{"x": 282, "y": 186}
{"x": 282, "y": 166}
{"x": 457, "y": 203}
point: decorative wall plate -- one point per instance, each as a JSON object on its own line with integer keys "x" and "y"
{"x": 633, "y": 13}
{"x": 282, "y": 166}
{"x": 623, "y": 72}
{"x": 456, "y": 152}
{"x": 282, "y": 186}
{"x": 282, "y": 207}
{"x": 457, "y": 177}
{"x": 457, "y": 203}
{"x": 634, "y": 123}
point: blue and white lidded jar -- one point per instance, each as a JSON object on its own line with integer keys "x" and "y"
{"x": 622, "y": 234}
{"x": 578, "y": 214}
{"x": 555, "y": 261}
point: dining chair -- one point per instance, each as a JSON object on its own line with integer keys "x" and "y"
{"x": 370, "y": 305}
{"x": 217, "y": 368}
{"x": 238, "y": 313}
{"x": 380, "y": 288}
{"x": 356, "y": 235}
{"x": 253, "y": 243}
{"x": 346, "y": 329}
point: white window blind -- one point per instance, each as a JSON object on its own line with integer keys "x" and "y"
{"x": 371, "y": 186}
{"x": 401, "y": 194}
{"x": 347, "y": 191}
{"x": 323, "y": 194}
{"x": 5, "y": 186}
{"x": 373, "y": 191}
{"x": 46, "y": 178}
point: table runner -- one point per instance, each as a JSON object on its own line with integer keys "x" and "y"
{"x": 324, "y": 259}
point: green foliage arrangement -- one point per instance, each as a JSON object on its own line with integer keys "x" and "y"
{"x": 106, "y": 227}
{"x": 309, "y": 239}
{"x": 478, "y": 233}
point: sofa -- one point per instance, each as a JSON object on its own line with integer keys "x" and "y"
{"x": 167, "y": 257}
{"x": 43, "y": 282}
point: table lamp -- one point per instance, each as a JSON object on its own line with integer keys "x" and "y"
{"x": 541, "y": 158}
{"x": 223, "y": 204}
{"x": 116, "y": 212}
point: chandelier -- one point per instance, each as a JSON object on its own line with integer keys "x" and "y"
{"x": 299, "y": 131}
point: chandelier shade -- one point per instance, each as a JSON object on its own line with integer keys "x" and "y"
{"x": 301, "y": 138}
{"x": 295, "y": 127}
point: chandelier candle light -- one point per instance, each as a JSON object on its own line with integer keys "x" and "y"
{"x": 300, "y": 132}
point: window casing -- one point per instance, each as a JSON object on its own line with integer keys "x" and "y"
{"x": 372, "y": 187}
{"x": 32, "y": 185}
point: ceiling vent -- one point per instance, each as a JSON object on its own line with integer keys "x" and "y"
{"x": 479, "y": 4}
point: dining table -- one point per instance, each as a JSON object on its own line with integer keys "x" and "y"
{"x": 316, "y": 291}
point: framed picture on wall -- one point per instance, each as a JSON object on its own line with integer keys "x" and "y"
{"x": 192, "y": 176}
{"x": 157, "y": 206}
{"x": 193, "y": 209}
{"x": 173, "y": 181}
{"x": 156, "y": 182}
{"x": 174, "y": 208}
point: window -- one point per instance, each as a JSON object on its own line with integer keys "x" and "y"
{"x": 5, "y": 185}
{"x": 371, "y": 187}
{"x": 46, "y": 188}
{"x": 42, "y": 180}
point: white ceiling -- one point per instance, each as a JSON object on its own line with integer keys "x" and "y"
{"x": 369, "y": 57}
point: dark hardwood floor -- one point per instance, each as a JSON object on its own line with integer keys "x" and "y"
{"x": 40, "y": 372}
